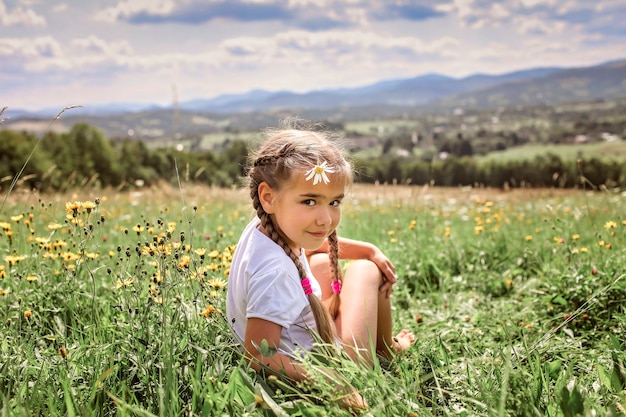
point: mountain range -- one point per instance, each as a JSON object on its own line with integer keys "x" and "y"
{"x": 430, "y": 92}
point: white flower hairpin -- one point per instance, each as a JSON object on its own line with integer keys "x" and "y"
{"x": 318, "y": 173}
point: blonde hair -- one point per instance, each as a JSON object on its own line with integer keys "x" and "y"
{"x": 286, "y": 152}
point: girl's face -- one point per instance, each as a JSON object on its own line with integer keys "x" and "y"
{"x": 306, "y": 213}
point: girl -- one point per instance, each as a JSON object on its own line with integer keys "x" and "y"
{"x": 285, "y": 288}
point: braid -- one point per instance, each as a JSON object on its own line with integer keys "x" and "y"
{"x": 333, "y": 254}
{"x": 322, "y": 319}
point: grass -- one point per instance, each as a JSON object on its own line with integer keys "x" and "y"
{"x": 602, "y": 150}
{"x": 113, "y": 304}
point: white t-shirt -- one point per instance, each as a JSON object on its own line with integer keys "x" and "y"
{"x": 264, "y": 283}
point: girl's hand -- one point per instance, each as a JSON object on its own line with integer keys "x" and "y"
{"x": 387, "y": 269}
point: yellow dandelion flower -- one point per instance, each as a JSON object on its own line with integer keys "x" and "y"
{"x": 528, "y": 238}
{"x": 138, "y": 229}
{"x": 72, "y": 207}
{"x": 489, "y": 203}
{"x": 17, "y": 218}
{"x": 13, "y": 259}
{"x": 447, "y": 232}
{"x": 210, "y": 311}
{"x": 3, "y": 292}
{"x": 214, "y": 254}
{"x": 610, "y": 225}
{"x": 575, "y": 236}
{"x": 88, "y": 206}
{"x": 412, "y": 224}
{"x": 28, "y": 313}
{"x": 171, "y": 227}
{"x": 184, "y": 262}
{"x": 217, "y": 283}
{"x": 124, "y": 283}
{"x": 393, "y": 240}
{"x": 212, "y": 266}
{"x": 200, "y": 252}
{"x": 31, "y": 278}
{"x": 584, "y": 250}
{"x": 5, "y": 226}
{"x": 478, "y": 229}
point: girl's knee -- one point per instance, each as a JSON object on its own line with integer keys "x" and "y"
{"x": 364, "y": 269}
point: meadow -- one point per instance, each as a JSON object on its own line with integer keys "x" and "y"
{"x": 112, "y": 303}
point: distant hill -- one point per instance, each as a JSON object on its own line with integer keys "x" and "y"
{"x": 425, "y": 93}
{"x": 402, "y": 92}
{"x": 606, "y": 81}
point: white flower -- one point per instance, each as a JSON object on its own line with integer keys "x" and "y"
{"x": 318, "y": 173}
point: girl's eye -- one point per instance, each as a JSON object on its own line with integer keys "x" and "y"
{"x": 335, "y": 203}
{"x": 309, "y": 202}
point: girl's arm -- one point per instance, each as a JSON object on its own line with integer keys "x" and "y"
{"x": 259, "y": 331}
{"x": 357, "y": 249}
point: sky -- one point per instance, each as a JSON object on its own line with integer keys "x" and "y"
{"x": 76, "y": 52}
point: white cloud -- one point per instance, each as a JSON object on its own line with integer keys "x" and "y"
{"x": 95, "y": 45}
{"x": 127, "y": 8}
{"x": 19, "y": 16}
{"x": 30, "y": 48}
{"x": 536, "y": 25}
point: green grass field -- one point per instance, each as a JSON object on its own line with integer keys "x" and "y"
{"x": 113, "y": 304}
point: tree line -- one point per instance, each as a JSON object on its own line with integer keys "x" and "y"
{"x": 84, "y": 157}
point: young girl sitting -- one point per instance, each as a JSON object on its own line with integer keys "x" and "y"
{"x": 285, "y": 288}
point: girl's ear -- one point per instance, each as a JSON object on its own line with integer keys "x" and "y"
{"x": 267, "y": 196}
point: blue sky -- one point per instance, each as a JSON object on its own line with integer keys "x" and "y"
{"x": 59, "y": 53}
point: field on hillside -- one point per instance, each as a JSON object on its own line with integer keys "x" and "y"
{"x": 113, "y": 304}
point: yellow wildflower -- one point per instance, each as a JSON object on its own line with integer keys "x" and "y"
{"x": 124, "y": 283}
{"x": 17, "y": 218}
{"x": 72, "y": 207}
{"x": 528, "y": 238}
{"x": 610, "y": 225}
{"x": 209, "y": 311}
{"x": 218, "y": 283}
{"x": 13, "y": 259}
{"x": 5, "y": 226}
{"x": 31, "y": 278}
{"x": 184, "y": 262}
{"x": 88, "y": 205}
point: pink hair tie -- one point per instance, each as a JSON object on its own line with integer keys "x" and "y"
{"x": 306, "y": 285}
{"x": 336, "y": 285}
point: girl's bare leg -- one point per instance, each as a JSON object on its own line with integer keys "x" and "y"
{"x": 365, "y": 314}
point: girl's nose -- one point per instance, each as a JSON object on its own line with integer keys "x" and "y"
{"x": 324, "y": 217}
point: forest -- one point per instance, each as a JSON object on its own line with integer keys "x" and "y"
{"x": 486, "y": 148}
